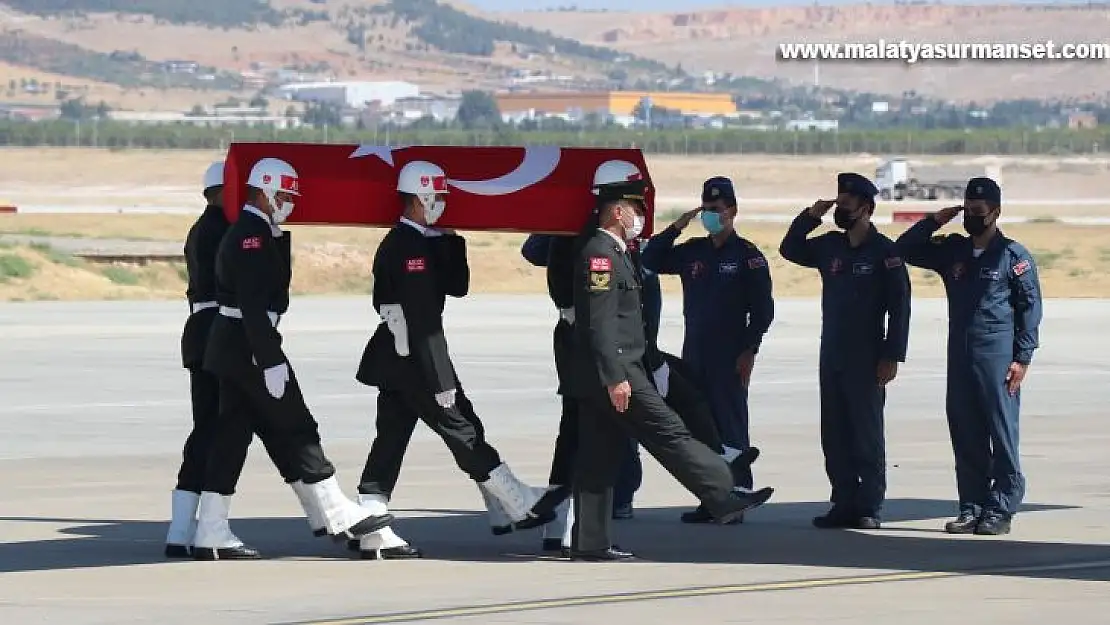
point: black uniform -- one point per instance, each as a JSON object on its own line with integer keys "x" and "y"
{"x": 253, "y": 271}
{"x": 610, "y": 348}
{"x": 418, "y": 272}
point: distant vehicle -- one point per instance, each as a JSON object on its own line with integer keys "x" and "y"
{"x": 897, "y": 179}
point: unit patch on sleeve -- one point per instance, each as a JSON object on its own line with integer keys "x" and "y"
{"x": 252, "y": 243}
{"x": 415, "y": 265}
{"x": 755, "y": 262}
{"x": 1021, "y": 267}
{"x": 600, "y": 263}
{"x": 600, "y": 273}
{"x": 893, "y": 262}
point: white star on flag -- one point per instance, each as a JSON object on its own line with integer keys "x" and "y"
{"x": 384, "y": 152}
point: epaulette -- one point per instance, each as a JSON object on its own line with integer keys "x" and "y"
{"x": 939, "y": 239}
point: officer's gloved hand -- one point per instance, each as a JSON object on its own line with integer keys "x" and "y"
{"x": 662, "y": 377}
{"x": 446, "y": 399}
{"x": 276, "y": 379}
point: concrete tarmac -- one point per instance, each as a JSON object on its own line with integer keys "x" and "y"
{"x": 95, "y": 410}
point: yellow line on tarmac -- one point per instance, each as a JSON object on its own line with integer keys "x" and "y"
{"x": 685, "y": 593}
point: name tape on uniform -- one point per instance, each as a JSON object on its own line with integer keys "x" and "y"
{"x": 252, "y": 243}
{"x": 414, "y": 265}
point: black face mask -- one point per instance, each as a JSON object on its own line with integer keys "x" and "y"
{"x": 975, "y": 225}
{"x": 844, "y": 219}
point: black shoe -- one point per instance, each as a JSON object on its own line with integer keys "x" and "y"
{"x": 746, "y": 458}
{"x": 552, "y": 544}
{"x": 320, "y": 533}
{"x": 178, "y": 551}
{"x": 241, "y": 552}
{"x": 612, "y": 554}
{"x": 836, "y": 518}
{"x": 701, "y": 515}
{"x": 542, "y": 512}
{"x": 533, "y": 520}
{"x": 369, "y": 525}
{"x": 868, "y": 523}
{"x": 993, "y": 525}
{"x": 966, "y": 523}
{"x": 408, "y": 552}
{"x": 740, "y": 502}
{"x": 501, "y": 530}
{"x": 623, "y": 512}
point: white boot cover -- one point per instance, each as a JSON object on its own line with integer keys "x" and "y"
{"x": 213, "y": 528}
{"x": 384, "y": 538}
{"x": 494, "y": 511}
{"x": 558, "y": 527}
{"x": 568, "y": 527}
{"x": 516, "y": 497}
{"x": 312, "y": 512}
{"x": 183, "y": 518}
{"x": 338, "y": 513}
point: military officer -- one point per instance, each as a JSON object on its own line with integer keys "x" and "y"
{"x": 416, "y": 268}
{"x": 258, "y": 388}
{"x": 727, "y": 304}
{"x": 864, "y": 331}
{"x": 616, "y": 390}
{"x": 994, "y": 318}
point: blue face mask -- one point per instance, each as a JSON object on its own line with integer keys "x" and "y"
{"x": 712, "y": 222}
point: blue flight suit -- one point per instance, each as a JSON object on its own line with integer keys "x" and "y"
{"x": 994, "y": 315}
{"x": 728, "y": 306}
{"x": 861, "y": 287}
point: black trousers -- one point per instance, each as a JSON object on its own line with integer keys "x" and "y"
{"x": 602, "y": 431}
{"x": 852, "y": 437}
{"x": 204, "y": 389}
{"x": 459, "y": 427}
{"x": 285, "y": 426}
{"x": 692, "y": 405}
{"x": 566, "y": 443}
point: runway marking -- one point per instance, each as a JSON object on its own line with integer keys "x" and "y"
{"x": 701, "y": 591}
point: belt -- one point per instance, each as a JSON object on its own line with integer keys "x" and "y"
{"x": 199, "y": 306}
{"x": 567, "y": 314}
{"x": 235, "y": 313}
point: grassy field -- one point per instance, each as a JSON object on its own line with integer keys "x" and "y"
{"x": 338, "y": 260}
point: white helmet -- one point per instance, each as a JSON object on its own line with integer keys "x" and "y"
{"x": 270, "y": 176}
{"x": 426, "y": 181}
{"x": 214, "y": 175}
{"x": 612, "y": 172}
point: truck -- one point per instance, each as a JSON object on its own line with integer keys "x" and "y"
{"x": 897, "y": 179}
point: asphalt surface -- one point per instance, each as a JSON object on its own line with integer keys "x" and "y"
{"x": 95, "y": 409}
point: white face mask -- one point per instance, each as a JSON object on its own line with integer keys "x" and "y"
{"x": 433, "y": 209}
{"x": 636, "y": 229}
{"x": 280, "y": 214}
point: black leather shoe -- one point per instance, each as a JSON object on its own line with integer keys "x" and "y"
{"x": 241, "y": 552}
{"x": 868, "y": 523}
{"x": 612, "y": 554}
{"x": 993, "y": 525}
{"x": 408, "y": 552}
{"x": 966, "y": 523}
{"x": 701, "y": 515}
{"x": 552, "y": 544}
{"x": 369, "y": 525}
{"x": 836, "y": 518}
{"x": 535, "y": 518}
{"x": 178, "y": 551}
{"x": 741, "y": 502}
{"x": 746, "y": 458}
{"x": 320, "y": 533}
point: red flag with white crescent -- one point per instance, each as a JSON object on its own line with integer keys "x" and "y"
{"x": 535, "y": 189}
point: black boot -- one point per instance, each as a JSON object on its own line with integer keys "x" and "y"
{"x": 242, "y": 552}
{"x": 836, "y": 518}
{"x": 966, "y": 523}
{"x": 702, "y": 515}
{"x": 543, "y": 512}
{"x": 612, "y": 554}
{"x": 178, "y": 551}
{"x": 740, "y": 502}
{"x": 993, "y": 524}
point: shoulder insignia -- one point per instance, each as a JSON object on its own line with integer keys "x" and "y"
{"x": 415, "y": 265}
{"x": 252, "y": 243}
{"x": 755, "y": 262}
{"x": 1021, "y": 267}
{"x": 601, "y": 263}
{"x": 893, "y": 262}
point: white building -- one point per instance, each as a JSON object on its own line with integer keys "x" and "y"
{"x": 350, "y": 94}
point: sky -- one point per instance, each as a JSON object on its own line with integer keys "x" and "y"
{"x": 687, "y": 5}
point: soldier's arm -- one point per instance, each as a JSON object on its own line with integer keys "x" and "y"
{"x": 761, "y": 299}
{"x": 661, "y": 255}
{"x": 897, "y": 279}
{"x": 255, "y": 275}
{"x": 535, "y": 249}
{"x": 796, "y": 245}
{"x": 452, "y": 266}
{"x": 600, "y": 300}
{"x": 416, "y": 290}
{"x": 918, "y": 247}
{"x": 1025, "y": 290}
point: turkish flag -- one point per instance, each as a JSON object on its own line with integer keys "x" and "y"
{"x": 537, "y": 189}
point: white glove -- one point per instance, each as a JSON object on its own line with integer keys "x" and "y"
{"x": 662, "y": 377}
{"x": 276, "y": 379}
{"x": 446, "y": 399}
{"x": 394, "y": 317}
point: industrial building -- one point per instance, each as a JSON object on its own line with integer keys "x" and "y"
{"x": 350, "y": 94}
{"x": 616, "y": 104}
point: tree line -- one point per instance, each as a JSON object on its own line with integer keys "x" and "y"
{"x": 1002, "y": 141}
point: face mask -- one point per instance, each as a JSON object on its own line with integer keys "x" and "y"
{"x": 636, "y": 229}
{"x": 975, "y": 225}
{"x": 434, "y": 211}
{"x": 280, "y": 213}
{"x": 844, "y": 219}
{"x": 712, "y": 222}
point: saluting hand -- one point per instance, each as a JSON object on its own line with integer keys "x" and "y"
{"x": 888, "y": 370}
{"x": 1015, "y": 376}
{"x": 744, "y": 365}
{"x": 619, "y": 394}
{"x": 945, "y": 215}
{"x": 820, "y": 207}
{"x": 683, "y": 221}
